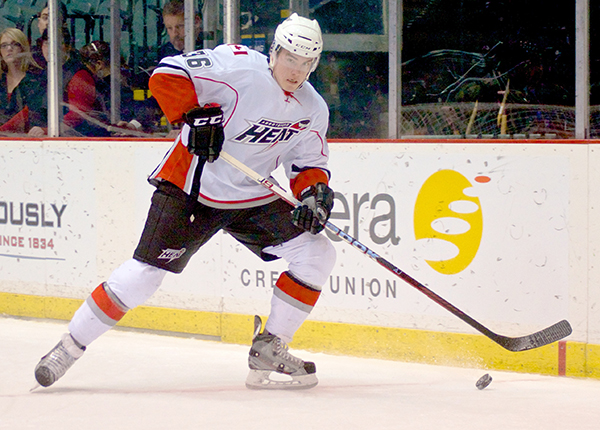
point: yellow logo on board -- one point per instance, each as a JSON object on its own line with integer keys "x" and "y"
{"x": 445, "y": 214}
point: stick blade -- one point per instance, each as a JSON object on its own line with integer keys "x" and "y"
{"x": 543, "y": 337}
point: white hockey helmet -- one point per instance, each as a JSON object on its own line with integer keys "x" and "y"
{"x": 300, "y": 36}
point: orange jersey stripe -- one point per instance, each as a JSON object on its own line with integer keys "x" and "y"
{"x": 302, "y": 293}
{"x": 176, "y": 167}
{"x": 106, "y": 304}
{"x": 175, "y": 94}
{"x": 306, "y": 178}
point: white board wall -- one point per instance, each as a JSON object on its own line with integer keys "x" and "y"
{"x": 525, "y": 232}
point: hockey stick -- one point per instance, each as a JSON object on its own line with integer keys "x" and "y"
{"x": 502, "y": 118}
{"x": 543, "y": 337}
{"x": 472, "y": 119}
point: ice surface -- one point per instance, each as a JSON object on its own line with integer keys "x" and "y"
{"x": 131, "y": 380}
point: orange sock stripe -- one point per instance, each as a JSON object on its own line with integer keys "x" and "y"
{"x": 292, "y": 288}
{"x": 106, "y": 304}
{"x": 307, "y": 178}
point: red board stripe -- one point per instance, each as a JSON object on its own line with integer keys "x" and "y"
{"x": 562, "y": 358}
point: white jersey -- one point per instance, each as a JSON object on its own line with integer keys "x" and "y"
{"x": 264, "y": 126}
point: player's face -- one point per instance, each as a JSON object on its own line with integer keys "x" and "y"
{"x": 290, "y": 70}
{"x": 175, "y": 25}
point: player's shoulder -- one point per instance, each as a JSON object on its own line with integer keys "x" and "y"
{"x": 221, "y": 59}
{"x": 312, "y": 96}
{"x": 240, "y": 56}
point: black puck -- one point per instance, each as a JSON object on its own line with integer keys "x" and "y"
{"x": 484, "y": 381}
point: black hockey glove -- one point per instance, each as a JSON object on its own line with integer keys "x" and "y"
{"x": 206, "y": 131}
{"x": 317, "y": 202}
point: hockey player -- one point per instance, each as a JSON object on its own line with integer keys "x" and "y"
{"x": 263, "y": 112}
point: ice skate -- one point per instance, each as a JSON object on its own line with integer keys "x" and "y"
{"x": 53, "y": 365}
{"x": 272, "y": 367}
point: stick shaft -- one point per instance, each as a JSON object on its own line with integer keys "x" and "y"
{"x": 543, "y": 337}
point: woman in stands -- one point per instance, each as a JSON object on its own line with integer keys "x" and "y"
{"x": 22, "y": 85}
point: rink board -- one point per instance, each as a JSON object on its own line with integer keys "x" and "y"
{"x": 506, "y": 231}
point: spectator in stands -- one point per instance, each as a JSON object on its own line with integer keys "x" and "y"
{"x": 42, "y": 25}
{"x": 22, "y": 85}
{"x": 85, "y": 114}
{"x": 173, "y": 14}
{"x": 96, "y": 57}
{"x": 173, "y": 18}
{"x": 43, "y": 16}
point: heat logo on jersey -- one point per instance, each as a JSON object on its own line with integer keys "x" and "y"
{"x": 269, "y": 132}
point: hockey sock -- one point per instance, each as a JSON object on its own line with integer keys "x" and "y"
{"x": 98, "y": 314}
{"x": 292, "y": 302}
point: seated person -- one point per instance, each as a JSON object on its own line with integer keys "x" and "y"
{"x": 173, "y": 18}
{"x": 84, "y": 114}
{"x": 42, "y": 24}
{"x": 96, "y": 57}
{"x": 22, "y": 85}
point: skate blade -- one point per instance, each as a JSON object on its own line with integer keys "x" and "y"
{"x": 268, "y": 380}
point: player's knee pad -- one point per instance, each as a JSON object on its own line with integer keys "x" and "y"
{"x": 319, "y": 261}
{"x": 134, "y": 282}
{"x": 311, "y": 257}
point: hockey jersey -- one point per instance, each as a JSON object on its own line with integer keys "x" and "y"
{"x": 264, "y": 126}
